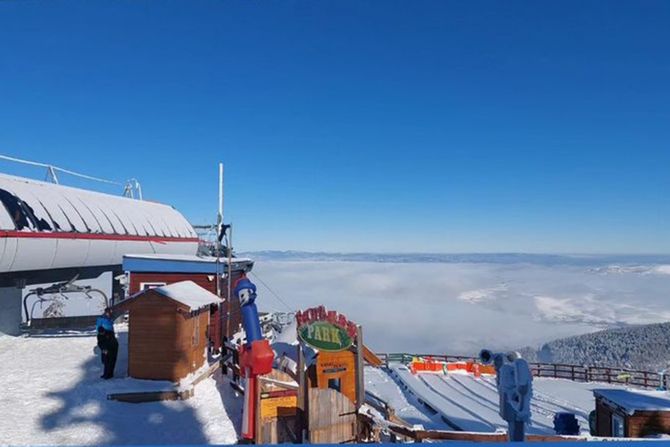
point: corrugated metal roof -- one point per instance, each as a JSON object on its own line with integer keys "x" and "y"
{"x": 31, "y": 205}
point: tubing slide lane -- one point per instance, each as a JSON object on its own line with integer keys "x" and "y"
{"x": 543, "y": 410}
{"x": 453, "y": 414}
{"x": 539, "y": 427}
{"x": 420, "y": 391}
{"x": 465, "y": 391}
{"x": 435, "y": 384}
{"x": 542, "y": 403}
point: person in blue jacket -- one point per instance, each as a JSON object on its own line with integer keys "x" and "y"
{"x": 107, "y": 342}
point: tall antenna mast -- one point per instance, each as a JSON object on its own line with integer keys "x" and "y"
{"x": 219, "y": 219}
{"x": 219, "y": 227}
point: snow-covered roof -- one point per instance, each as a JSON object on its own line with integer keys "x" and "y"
{"x": 189, "y": 294}
{"x": 636, "y": 400}
{"x": 31, "y": 205}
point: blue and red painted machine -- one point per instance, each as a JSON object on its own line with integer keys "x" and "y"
{"x": 256, "y": 355}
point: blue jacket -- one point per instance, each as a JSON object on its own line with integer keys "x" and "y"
{"x": 104, "y": 322}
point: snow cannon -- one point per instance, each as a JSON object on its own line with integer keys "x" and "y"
{"x": 515, "y": 388}
{"x": 256, "y": 355}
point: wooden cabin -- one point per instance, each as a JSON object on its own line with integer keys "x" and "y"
{"x": 148, "y": 271}
{"x": 167, "y": 330}
{"x": 632, "y": 413}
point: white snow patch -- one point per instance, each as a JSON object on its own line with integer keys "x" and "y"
{"x": 53, "y": 395}
{"x": 662, "y": 269}
{"x": 190, "y": 294}
{"x": 481, "y": 295}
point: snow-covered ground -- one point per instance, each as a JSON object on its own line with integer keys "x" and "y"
{"x": 471, "y": 404}
{"x": 51, "y": 393}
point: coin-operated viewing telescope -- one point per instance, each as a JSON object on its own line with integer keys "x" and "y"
{"x": 515, "y": 389}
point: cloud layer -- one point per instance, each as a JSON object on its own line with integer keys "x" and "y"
{"x": 463, "y": 307}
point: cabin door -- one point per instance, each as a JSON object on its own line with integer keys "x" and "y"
{"x": 332, "y": 417}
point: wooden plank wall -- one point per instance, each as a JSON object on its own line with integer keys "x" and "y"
{"x": 646, "y": 423}
{"x": 332, "y": 417}
{"x": 160, "y": 340}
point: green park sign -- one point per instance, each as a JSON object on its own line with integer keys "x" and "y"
{"x": 325, "y": 336}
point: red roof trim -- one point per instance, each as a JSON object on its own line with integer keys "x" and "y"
{"x": 93, "y": 236}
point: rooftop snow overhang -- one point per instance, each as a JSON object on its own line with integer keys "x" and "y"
{"x": 630, "y": 401}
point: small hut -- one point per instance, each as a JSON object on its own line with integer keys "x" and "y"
{"x": 167, "y": 330}
{"x": 632, "y": 413}
{"x": 147, "y": 271}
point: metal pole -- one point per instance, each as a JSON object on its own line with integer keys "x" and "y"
{"x": 220, "y": 197}
{"x": 219, "y": 225}
{"x": 230, "y": 274}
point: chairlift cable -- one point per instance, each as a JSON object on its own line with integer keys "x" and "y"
{"x": 66, "y": 171}
{"x": 271, "y": 291}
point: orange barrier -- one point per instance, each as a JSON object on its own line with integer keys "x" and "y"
{"x": 427, "y": 364}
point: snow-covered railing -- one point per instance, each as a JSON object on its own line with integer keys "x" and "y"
{"x": 577, "y": 373}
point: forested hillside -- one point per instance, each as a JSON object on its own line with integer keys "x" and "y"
{"x": 644, "y": 347}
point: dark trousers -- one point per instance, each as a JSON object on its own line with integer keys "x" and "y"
{"x": 109, "y": 359}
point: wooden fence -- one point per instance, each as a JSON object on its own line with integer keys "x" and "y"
{"x": 578, "y": 373}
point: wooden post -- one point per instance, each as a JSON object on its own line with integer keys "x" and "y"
{"x": 302, "y": 395}
{"x": 360, "y": 365}
{"x": 258, "y": 430}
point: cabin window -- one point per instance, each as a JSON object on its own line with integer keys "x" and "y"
{"x": 335, "y": 384}
{"x": 617, "y": 426}
{"x": 150, "y": 285}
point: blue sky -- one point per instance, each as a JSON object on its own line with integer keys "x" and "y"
{"x": 430, "y": 126}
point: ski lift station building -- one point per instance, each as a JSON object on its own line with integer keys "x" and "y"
{"x": 50, "y": 232}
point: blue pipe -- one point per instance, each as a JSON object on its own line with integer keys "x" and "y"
{"x": 245, "y": 290}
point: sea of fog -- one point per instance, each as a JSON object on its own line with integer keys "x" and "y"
{"x": 458, "y": 304}
{"x": 462, "y": 307}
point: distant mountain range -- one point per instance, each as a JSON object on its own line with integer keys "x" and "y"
{"x": 643, "y": 347}
{"x": 613, "y": 261}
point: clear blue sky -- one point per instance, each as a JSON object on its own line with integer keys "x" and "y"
{"x": 430, "y": 126}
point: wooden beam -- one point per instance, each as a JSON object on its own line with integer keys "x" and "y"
{"x": 150, "y": 396}
{"x": 360, "y": 366}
